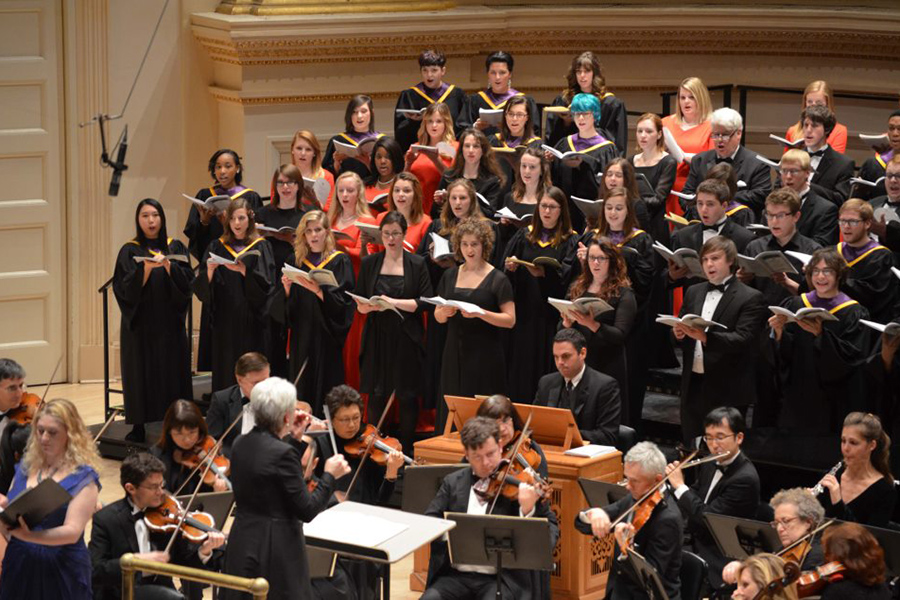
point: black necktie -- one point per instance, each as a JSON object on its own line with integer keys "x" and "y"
{"x": 816, "y": 153}
{"x": 565, "y": 395}
{"x": 728, "y": 160}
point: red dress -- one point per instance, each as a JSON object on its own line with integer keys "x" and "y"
{"x": 692, "y": 141}
{"x": 429, "y": 176}
{"x": 327, "y": 176}
{"x": 354, "y": 337}
{"x": 371, "y": 193}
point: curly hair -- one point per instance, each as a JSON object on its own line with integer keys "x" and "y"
{"x": 478, "y": 227}
{"x": 616, "y": 278}
{"x": 852, "y": 545}
{"x": 80, "y": 449}
{"x": 589, "y": 62}
{"x": 808, "y": 508}
{"x": 833, "y": 260}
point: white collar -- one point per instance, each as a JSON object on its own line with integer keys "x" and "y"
{"x": 577, "y": 379}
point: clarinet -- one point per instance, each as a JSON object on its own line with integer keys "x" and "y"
{"x": 819, "y": 488}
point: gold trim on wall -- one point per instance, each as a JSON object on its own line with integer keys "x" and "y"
{"x": 313, "y": 7}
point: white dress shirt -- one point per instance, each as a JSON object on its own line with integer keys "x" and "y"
{"x": 709, "y": 308}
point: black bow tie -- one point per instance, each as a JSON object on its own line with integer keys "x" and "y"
{"x": 728, "y": 160}
{"x": 721, "y": 468}
{"x": 715, "y": 227}
{"x": 717, "y": 286}
{"x": 137, "y": 516}
{"x": 816, "y": 153}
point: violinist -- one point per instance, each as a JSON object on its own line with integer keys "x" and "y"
{"x": 266, "y": 538}
{"x": 510, "y": 423}
{"x": 863, "y": 490}
{"x": 180, "y": 448}
{"x": 225, "y": 405}
{"x": 729, "y": 486}
{"x": 460, "y": 492}
{"x": 13, "y": 435}
{"x": 852, "y": 547}
{"x": 120, "y": 527}
{"x": 797, "y": 513}
{"x": 655, "y": 533}
{"x": 756, "y": 573}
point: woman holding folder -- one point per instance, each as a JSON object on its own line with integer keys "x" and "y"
{"x": 428, "y": 166}
{"x": 473, "y": 361}
{"x": 49, "y": 560}
{"x": 359, "y": 132}
{"x": 538, "y": 262}
{"x": 317, "y": 312}
{"x": 392, "y": 353}
{"x": 306, "y": 155}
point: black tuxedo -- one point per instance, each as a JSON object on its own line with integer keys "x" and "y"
{"x": 658, "y": 541}
{"x": 453, "y": 496}
{"x": 747, "y": 168}
{"x": 112, "y": 535}
{"x": 832, "y": 177}
{"x": 818, "y": 219}
{"x": 224, "y": 407}
{"x": 595, "y": 402}
{"x": 871, "y": 170}
{"x": 736, "y": 495}
{"x": 729, "y": 355}
{"x": 692, "y": 237}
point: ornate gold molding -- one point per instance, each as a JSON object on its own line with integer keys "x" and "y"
{"x": 313, "y": 7}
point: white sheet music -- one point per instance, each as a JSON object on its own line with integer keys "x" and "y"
{"x": 352, "y": 527}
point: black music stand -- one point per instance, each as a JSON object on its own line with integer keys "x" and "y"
{"x": 421, "y": 484}
{"x": 739, "y": 538}
{"x": 645, "y": 576}
{"x": 500, "y": 541}
{"x": 321, "y": 562}
{"x": 601, "y": 493}
{"x": 218, "y": 504}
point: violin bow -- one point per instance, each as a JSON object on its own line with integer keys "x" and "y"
{"x": 808, "y": 537}
{"x": 370, "y": 443}
{"x": 50, "y": 382}
{"x": 510, "y": 463}
{"x": 300, "y": 372}
{"x": 190, "y": 503}
{"x": 212, "y": 453}
{"x": 652, "y": 491}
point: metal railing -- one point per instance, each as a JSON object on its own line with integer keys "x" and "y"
{"x": 130, "y": 564}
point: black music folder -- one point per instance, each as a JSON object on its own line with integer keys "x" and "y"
{"x": 35, "y": 504}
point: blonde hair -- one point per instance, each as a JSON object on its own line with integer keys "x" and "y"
{"x": 815, "y": 86}
{"x": 444, "y": 111}
{"x": 301, "y": 250}
{"x": 362, "y": 207}
{"x": 696, "y": 87}
{"x": 765, "y": 568}
{"x": 799, "y": 157}
{"x": 80, "y": 449}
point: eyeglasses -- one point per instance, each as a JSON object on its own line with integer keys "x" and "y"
{"x": 778, "y": 216}
{"x": 783, "y": 523}
{"x": 517, "y": 115}
{"x": 391, "y": 235}
{"x": 550, "y": 207}
{"x": 598, "y": 259}
{"x": 349, "y": 420}
{"x": 285, "y": 183}
{"x": 718, "y": 439}
{"x": 722, "y": 136}
{"x": 583, "y": 114}
{"x": 790, "y": 172}
{"x": 849, "y": 222}
{"x": 155, "y": 487}
{"x": 892, "y": 176}
{"x": 828, "y": 272}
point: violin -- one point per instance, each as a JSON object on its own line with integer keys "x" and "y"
{"x": 791, "y": 574}
{"x": 28, "y": 407}
{"x": 165, "y": 518}
{"x": 811, "y": 583}
{"x": 508, "y": 485}
{"x": 197, "y": 455}
{"x": 527, "y": 459}
{"x": 641, "y": 515}
{"x": 379, "y": 449}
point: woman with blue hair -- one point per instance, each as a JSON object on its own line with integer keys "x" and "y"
{"x": 577, "y": 174}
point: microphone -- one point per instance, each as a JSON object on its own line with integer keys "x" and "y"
{"x": 119, "y": 165}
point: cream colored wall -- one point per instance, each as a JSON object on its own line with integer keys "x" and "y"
{"x": 245, "y": 82}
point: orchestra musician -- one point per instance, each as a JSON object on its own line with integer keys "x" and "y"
{"x": 184, "y": 432}
{"x": 13, "y": 435}
{"x": 755, "y": 573}
{"x": 225, "y": 405}
{"x": 659, "y": 536}
{"x": 266, "y": 539}
{"x": 510, "y": 423}
{"x": 120, "y": 527}
{"x": 459, "y": 492}
{"x": 863, "y": 574}
{"x": 50, "y": 560}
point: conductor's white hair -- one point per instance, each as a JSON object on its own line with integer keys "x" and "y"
{"x": 648, "y": 456}
{"x": 270, "y": 401}
{"x": 727, "y": 118}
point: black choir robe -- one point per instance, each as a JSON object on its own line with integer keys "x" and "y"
{"x": 155, "y": 352}
{"x": 818, "y": 219}
{"x": 530, "y": 348}
{"x": 831, "y": 179}
{"x": 238, "y": 305}
{"x": 508, "y": 153}
{"x": 820, "y": 376}
{"x": 350, "y": 163}
{"x": 613, "y": 121}
{"x": 774, "y": 294}
{"x": 892, "y": 236}
{"x": 199, "y": 237}
{"x": 871, "y": 281}
{"x": 747, "y": 168}
{"x": 417, "y": 97}
{"x": 487, "y": 184}
{"x": 581, "y": 181}
{"x": 318, "y": 329}
{"x": 486, "y": 100}
{"x": 872, "y": 170}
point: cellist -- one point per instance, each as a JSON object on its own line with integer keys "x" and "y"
{"x": 655, "y": 533}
